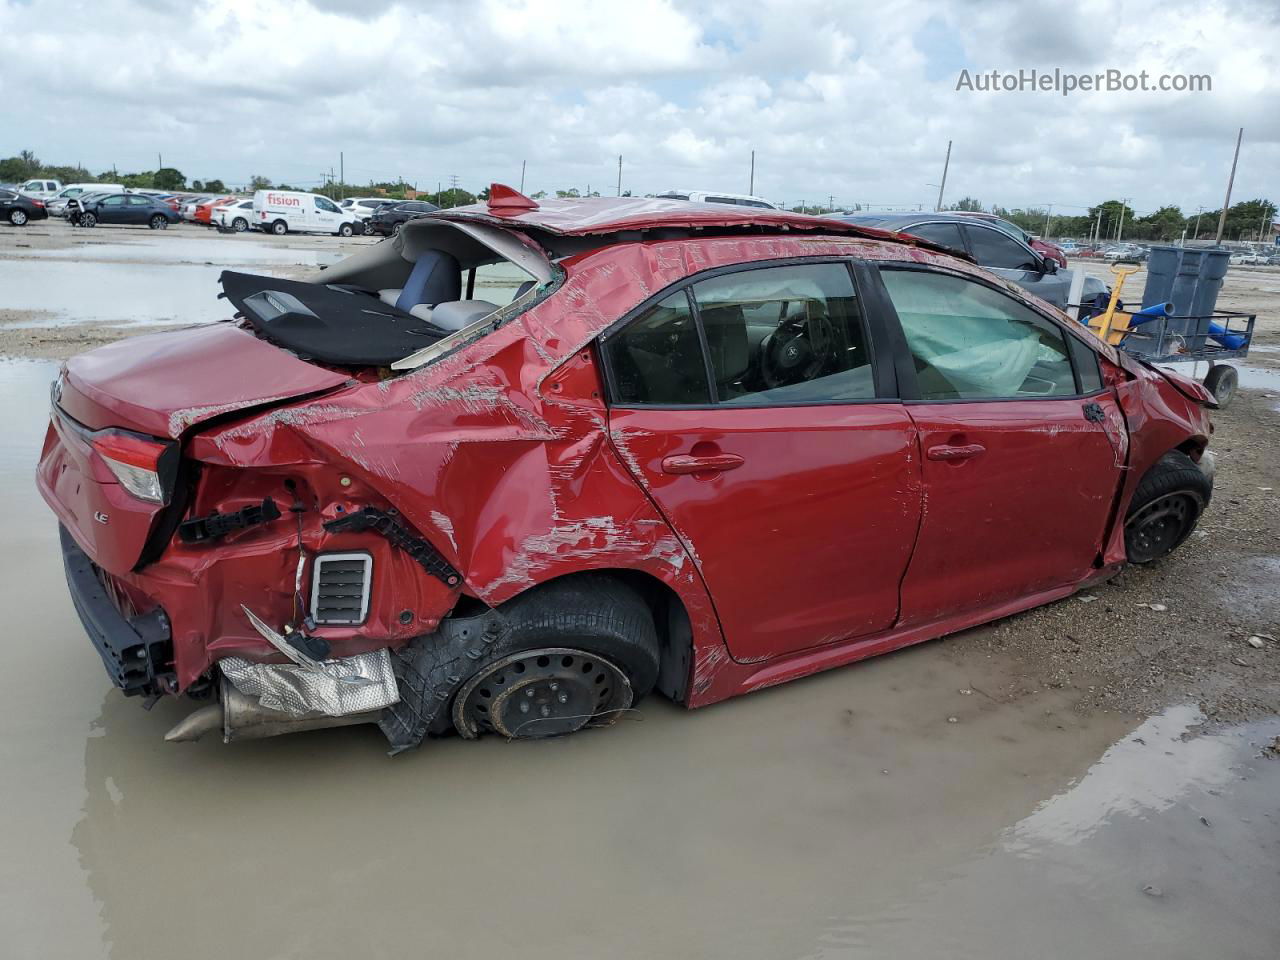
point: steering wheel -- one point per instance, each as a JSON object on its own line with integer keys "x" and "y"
{"x": 797, "y": 350}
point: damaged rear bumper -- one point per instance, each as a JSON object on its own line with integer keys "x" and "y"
{"x": 137, "y": 651}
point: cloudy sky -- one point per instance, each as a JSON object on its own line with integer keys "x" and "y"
{"x": 844, "y": 99}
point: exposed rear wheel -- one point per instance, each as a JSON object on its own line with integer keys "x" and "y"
{"x": 239, "y": 224}
{"x": 575, "y": 654}
{"x": 18, "y": 217}
{"x": 1165, "y": 507}
{"x": 159, "y": 222}
{"x": 279, "y": 228}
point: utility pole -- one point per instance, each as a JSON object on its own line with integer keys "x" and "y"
{"x": 1266, "y": 216}
{"x": 1120, "y": 226}
{"x": 831, "y": 203}
{"x": 943, "y": 185}
{"x": 1222, "y": 217}
{"x": 1199, "y": 210}
{"x": 522, "y": 163}
{"x": 1097, "y": 229}
{"x": 453, "y": 189}
{"x": 751, "y": 183}
{"x": 1048, "y": 213}
{"x": 159, "y": 161}
{"x": 342, "y": 176}
{"x": 619, "y": 174}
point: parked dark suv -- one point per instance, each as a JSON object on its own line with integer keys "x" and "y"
{"x": 390, "y": 217}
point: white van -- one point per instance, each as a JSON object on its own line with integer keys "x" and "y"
{"x": 40, "y": 189}
{"x": 282, "y": 211}
{"x": 704, "y": 196}
{"x": 57, "y": 205}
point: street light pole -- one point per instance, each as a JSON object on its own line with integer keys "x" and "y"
{"x": 1124, "y": 203}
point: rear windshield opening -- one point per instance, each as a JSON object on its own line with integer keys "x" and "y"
{"x": 394, "y": 299}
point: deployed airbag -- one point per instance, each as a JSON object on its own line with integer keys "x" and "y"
{"x": 326, "y": 322}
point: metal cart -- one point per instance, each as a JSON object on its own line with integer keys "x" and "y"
{"x": 1227, "y": 336}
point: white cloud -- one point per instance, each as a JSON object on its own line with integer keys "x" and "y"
{"x": 835, "y": 98}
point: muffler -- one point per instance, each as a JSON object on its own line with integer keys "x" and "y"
{"x": 242, "y": 717}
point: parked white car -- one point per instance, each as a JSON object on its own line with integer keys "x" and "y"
{"x": 362, "y": 208}
{"x": 283, "y": 211}
{"x": 236, "y": 215}
{"x": 57, "y": 206}
{"x": 40, "y": 189}
{"x": 705, "y": 196}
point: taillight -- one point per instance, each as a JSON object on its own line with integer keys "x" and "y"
{"x": 139, "y": 464}
{"x": 37, "y": 203}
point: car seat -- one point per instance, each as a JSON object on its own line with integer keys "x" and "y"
{"x": 436, "y": 277}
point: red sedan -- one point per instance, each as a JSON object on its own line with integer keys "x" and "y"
{"x": 697, "y": 449}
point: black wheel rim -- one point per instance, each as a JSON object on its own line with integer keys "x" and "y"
{"x": 1160, "y": 526}
{"x": 542, "y": 693}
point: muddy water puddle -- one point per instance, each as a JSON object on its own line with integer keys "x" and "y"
{"x": 839, "y": 816}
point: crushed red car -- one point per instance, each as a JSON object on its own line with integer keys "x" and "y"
{"x": 521, "y": 465}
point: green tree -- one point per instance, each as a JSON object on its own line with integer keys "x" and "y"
{"x": 570, "y": 194}
{"x": 215, "y": 186}
{"x": 167, "y": 178}
{"x": 197, "y": 186}
{"x": 259, "y": 182}
{"x": 967, "y": 203}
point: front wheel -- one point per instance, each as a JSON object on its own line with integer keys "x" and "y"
{"x": 18, "y": 217}
{"x": 159, "y": 222}
{"x": 88, "y": 219}
{"x": 345, "y": 230}
{"x": 1165, "y": 507}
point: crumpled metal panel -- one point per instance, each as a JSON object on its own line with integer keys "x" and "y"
{"x": 297, "y": 690}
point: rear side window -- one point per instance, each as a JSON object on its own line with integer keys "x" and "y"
{"x": 657, "y": 358}
{"x": 947, "y": 234}
{"x": 788, "y": 334}
{"x": 993, "y": 248}
{"x": 970, "y": 342}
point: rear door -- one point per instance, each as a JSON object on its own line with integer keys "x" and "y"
{"x": 751, "y": 407}
{"x": 1006, "y": 257}
{"x": 1021, "y": 448}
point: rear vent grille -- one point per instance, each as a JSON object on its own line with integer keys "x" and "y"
{"x": 340, "y": 588}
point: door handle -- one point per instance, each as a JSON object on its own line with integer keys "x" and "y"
{"x": 713, "y": 462}
{"x": 948, "y": 451}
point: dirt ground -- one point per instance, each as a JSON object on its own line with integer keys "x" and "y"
{"x": 1089, "y": 779}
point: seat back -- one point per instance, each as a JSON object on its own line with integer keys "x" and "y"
{"x": 435, "y": 278}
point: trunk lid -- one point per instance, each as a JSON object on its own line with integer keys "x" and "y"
{"x": 152, "y": 389}
{"x": 163, "y": 384}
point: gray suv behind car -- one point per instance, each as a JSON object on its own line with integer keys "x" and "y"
{"x": 991, "y": 248}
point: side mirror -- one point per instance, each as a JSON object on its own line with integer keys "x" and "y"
{"x": 1050, "y": 265}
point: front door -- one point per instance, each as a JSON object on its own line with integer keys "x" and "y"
{"x": 748, "y": 407}
{"x": 1021, "y": 449}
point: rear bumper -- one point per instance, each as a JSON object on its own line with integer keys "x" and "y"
{"x": 137, "y": 652}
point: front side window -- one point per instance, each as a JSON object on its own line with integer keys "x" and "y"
{"x": 326, "y": 206}
{"x": 790, "y": 334}
{"x": 970, "y": 342}
{"x": 992, "y": 248}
